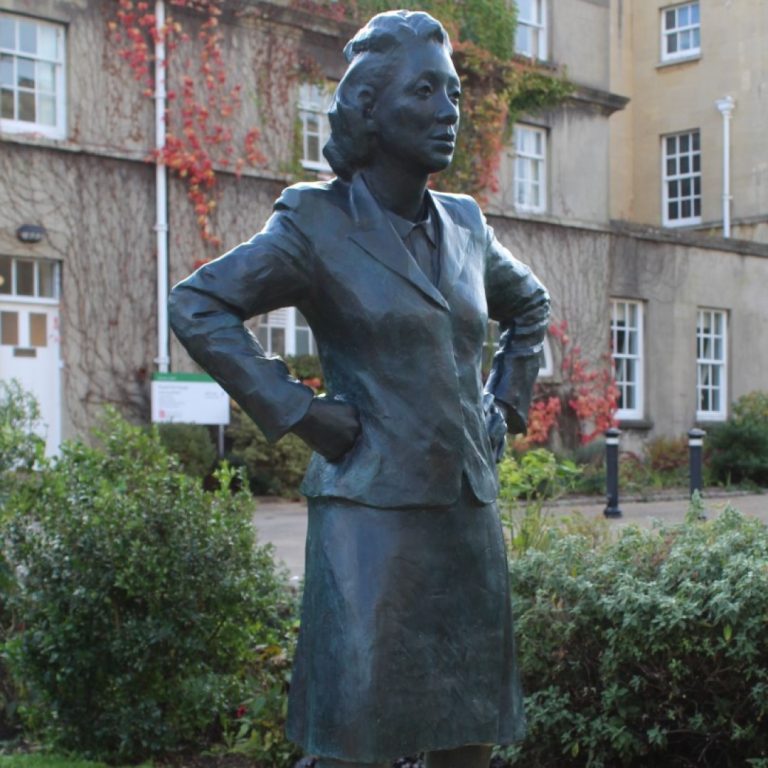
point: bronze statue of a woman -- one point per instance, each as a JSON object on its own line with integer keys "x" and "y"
{"x": 406, "y": 640}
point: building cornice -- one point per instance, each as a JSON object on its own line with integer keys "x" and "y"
{"x": 605, "y": 101}
{"x": 305, "y": 21}
{"x": 126, "y": 155}
{"x": 689, "y": 238}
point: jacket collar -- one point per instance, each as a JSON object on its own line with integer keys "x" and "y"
{"x": 375, "y": 234}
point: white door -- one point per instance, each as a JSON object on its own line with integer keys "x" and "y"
{"x": 29, "y": 337}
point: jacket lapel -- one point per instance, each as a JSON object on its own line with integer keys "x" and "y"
{"x": 377, "y": 237}
{"x": 453, "y": 245}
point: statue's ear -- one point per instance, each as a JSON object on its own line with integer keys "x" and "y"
{"x": 365, "y": 98}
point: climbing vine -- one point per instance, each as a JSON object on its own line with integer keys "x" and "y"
{"x": 203, "y": 106}
{"x": 581, "y": 406}
{"x": 199, "y": 129}
{"x": 497, "y": 86}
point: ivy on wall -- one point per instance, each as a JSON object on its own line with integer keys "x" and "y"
{"x": 497, "y": 85}
{"x": 204, "y": 107}
{"x": 199, "y": 133}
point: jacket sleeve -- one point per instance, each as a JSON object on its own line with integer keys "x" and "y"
{"x": 207, "y": 311}
{"x": 520, "y": 303}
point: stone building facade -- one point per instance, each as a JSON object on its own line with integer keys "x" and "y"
{"x": 579, "y": 198}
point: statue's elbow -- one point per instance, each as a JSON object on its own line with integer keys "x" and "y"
{"x": 180, "y": 311}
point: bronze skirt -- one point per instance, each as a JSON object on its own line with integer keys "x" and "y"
{"x": 406, "y": 640}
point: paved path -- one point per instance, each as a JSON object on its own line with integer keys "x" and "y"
{"x": 284, "y": 523}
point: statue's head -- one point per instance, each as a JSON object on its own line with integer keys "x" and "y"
{"x": 398, "y": 97}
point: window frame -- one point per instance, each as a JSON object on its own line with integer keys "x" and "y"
{"x": 290, "y": 321}
{"x": 34, "y": 299}
{"x": 14, "y": 125}
{"x": 311, "y": 98}
{"x": 520, "y": 156}
{"x": 637, "y": 413}
{"x": 720, "y": 414}
{"x": 666, "y": 33}
{"x": 539, "y": 32}
{"x": 678, "y": 178}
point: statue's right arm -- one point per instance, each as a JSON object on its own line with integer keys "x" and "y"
{"x": 208, "y": 309}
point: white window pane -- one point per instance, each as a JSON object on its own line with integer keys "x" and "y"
{"x": 669, "y": 19}
{"x": 6, "y": 105}
{"x": 25, "y": 278}
{"x": 6, "y": 70}
{"x": 47, "y": 280}
{"x": 313, "y": 149}
{"x": 302, "y": 342}
{"x": 27, "y": 37}
{"x": 48, "y": 42}
{"x": 526, "y": 10}
{"x": 25, "y": 73}
{"x": 46, "y": 76}
{"x": 683, "y": 16}
{"x": 46, "y": 110}
{"x": 7, "y": 33}
{"x": 27, "y": 106}
{"x": 277, "y": 341}
{"x": 524, "y": 40}
{"x": 695, "y": 13}
{"x": 5, "y": 274}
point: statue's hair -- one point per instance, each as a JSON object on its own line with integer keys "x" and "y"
{"x": 371, "y": 54}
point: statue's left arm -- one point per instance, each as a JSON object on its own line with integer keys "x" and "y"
{"x": 520, "y": 303}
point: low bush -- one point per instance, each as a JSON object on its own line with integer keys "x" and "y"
{"x": 273, "y": 469}
{"x": 738, "y": 449}
{"x": 142, "y": 599}
{"x": 738, "y": 453}
{"x": 648, "y": 650}
{"x": 20, "y": 446}
{"x": 526, "y": 482}
{"x": 668, "y": 455}
{"x": 21, "y": 450}
{"x": 191, "y": 444}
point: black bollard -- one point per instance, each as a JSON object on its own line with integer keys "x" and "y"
{"x": 612, "y": 472}
{"x": 695, "y": 450}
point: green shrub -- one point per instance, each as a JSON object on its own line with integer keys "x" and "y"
{"x": 668, "y": 455}
{"x": 273, "y": 469}
{"x": 306, "y": 368}
{"x": 526, "y": 482}
{"x": 20, "y": 447}
{"x": 738, "y": 452}
{"x": 191, "y": 444}
{"x": 141, "y": 597}
{"x": 650, "y": 650}
{"x": 752, "y": 407}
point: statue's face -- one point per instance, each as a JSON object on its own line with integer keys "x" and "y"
{"x": 417, "y": 112}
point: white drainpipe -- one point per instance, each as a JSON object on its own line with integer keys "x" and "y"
{"x": 726, "y": 107}
{"x": 161, "y": 194}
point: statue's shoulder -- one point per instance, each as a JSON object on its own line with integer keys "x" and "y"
{"x": 463, "y": 209}
{"x": 310, "y": 199}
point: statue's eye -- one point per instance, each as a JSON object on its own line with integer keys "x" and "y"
{"x": 424, "y": 90}
{"x": 455, "y": 96}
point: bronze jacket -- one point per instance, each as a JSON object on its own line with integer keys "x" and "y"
{"x": 406, "y": 353}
